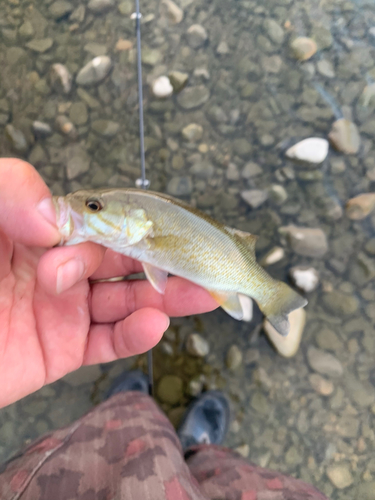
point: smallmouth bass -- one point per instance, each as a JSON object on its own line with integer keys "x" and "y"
{"x": 168, "y": 236}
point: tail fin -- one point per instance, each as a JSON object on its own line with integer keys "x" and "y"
{"x": 281, "y": 301}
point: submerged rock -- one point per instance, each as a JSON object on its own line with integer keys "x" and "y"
{"x": 41, "y": 129}
{"x": 106, "y": 128}
{"x": 61, "y": 79}
{"x": 178, "y": 80}
{"x": 360, "y": 206}
{"x": 287, "y": 346}
{"x": 312, "y": 150}
{"x": 310, "y": 242}
{"x": 41, "y": 45}
{"x": 303, "y": 48}
{"x": 340, "y": 304}
{"x": 197, "y": 346}
{"x": 340, "y": 475}
{"x": 234, "y": 358}
{"x": 171, "y": 11}
{"x": 60, "y": 9}
{"x": 192, "y": 132}
{"x": 324, "y": 362}
{"x": 170, "y": 389}
{"x": 197, "y": 36}
{"x": 99, "y": 6}
{"x": 254, "y": 197}
{"x": 180, "y": 186}
{"x": 78, "y": 161}
{"x": 304, "y": 278}
{"x": 274, "y": 255}
{"x": 193, "y": 97}
{"x": 344, "y": 136}
{"x": 94, "y": 71}
{"x": 16, "y": 139}
{"x": 162, "y": 87}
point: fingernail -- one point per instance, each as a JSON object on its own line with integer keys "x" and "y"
{"x": 47, "y": 210}
{"x": 69, "y": 274}
{"x": 167, "y": 323}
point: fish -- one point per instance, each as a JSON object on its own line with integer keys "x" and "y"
{"x": 168, "y": 236}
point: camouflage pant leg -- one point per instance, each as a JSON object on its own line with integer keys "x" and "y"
{"x": 223, "y": 475}
{"x": 126, "y": 449}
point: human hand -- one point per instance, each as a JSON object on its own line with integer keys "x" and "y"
{"x": 52, "y": 319}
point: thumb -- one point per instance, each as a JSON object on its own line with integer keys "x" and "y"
{"x": 27, "y": 214}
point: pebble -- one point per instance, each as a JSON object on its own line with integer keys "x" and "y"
{"x": 60, "y": 9}
{"x": 61, "y": 79}
{"x": 325, "y": 68}
{"x": 328, "y": 340}
{"x": 324, "y": 362}
{"x": 203, "y": 169}
{"x": 274, "y": 31}
{"x": 105, "y": 128}
{"x": 274, "y": 255}
{"x": 360, "y": 206}
{"x": 340, "y": 304}
{"x": 197, "y": 346}
{"x": 192, "y": 132}
{"x": 366, "y": 491}
{"x": 151, "y": 57}
{"x": 123, "y": 45}
{"x": 243, "y": 450}
{"x": 41, "y": 129}
{"x": 250, "y": 170}
{"x": 66, "y": 127}
{"x": 41, "y": 45}
{"x": 254, "y": 197}
{"x": 173, "y": 13}
{"x": 26, "y": 30}
{"x": 321, "y": 385}
{"x": 197, "y": 36}
{"x": 288, "y": 346}
{"x": 16, "y": 139}
{"x": 340, "y": 475}
{"x": 344, "y": 136}
{"x": 170, "y": 389}
{"x": 194, "y": 387}
{"x": 95, "y": 49}
{"x": 303, "y": 48}
{"x": 99, "y": 6}
{"x": 278, "y": 194}
{"x": 78, "y": 161}
{"x": 88, "y": 99}
{"x": 234, "y": 358}
{"x": 162, "y": 87}
{"x": 78, "y": 113}
{"x": 94, "y": 71}
{"x": 232, "y": 173}
{"x": 78, "y": 15}
{"x": 222, "y": 49}
{"x": 180, "y": 186}
{"x": 193, "y": 97}
{"x": 311, "y": 150}
{"x": 310, "y": 242}
{"x": 178, "y": 80}
{"x": 304, "y": 278}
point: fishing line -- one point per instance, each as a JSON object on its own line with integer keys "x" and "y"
{"x": 142, "y": 182}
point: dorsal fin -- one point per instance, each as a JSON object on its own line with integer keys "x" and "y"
{"x": 248, "y": 238}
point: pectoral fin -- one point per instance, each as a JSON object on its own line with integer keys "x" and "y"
{"x": 230, "y": 303}
{"x": 157, "y": 277}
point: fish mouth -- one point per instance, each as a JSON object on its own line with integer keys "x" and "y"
{"x": 67, "y": 220}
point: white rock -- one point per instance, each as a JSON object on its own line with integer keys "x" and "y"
{"x": 305, "y": 278}
{"x": 288, "y": 346}
{"x": 273, "y": 256}
{"x": 173, "y": 13}
{"x": 162, "y": 87}
{"x": 312, "y": 150}
{"x": 247, "y": 307}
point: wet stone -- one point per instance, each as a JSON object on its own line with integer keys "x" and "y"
{"x": 170, "y": 389}
{"x": 234, "y": 358}
{"x": 192, "y": 132}
{"x": 274, "y": 31}
{"x": 66, "y": 126}
{"x": 61, "y": 79}
{"x": 99, "y": 6}
{"x": 310, "y": 242}
{"x": 171, "y": 11}
{"x": 41, "y": 45}
{"x": 344, "y": 136}
{"x": 303, "y": 48}
{"x": 60, "y": 9}
{"x": 96, "y": 49}
{"x": 324, "y": 362}
{"x": 95, "y": 71}
{"x": 78, "y": 113}
{"x": 197, "y": 36}
{"x": 203, "y": 169}
{"x": 151, "y": 57}
{"x": 340, "y": 475}
{"x": 105, "y": 128}
{"x": 88, "y": 99}
{"x": 197, "y": 346}
{"x": 321, "y": 385}
{"x": 41, "y": 129}
{"x": 254, "y": 197}
{"x": 193, "y": 97}
{"x": 78, "y": 15}
{"x": 304, "y": 278}
{"x": 328, "y": 340}
{"x": 178, "y": 80}
{"x": 259, "y": 403}
{"x": 340, "y": 304}
{"x": 325, "y": 68}
{"x": 16, "y": 139}
{"x": 78, "y": 161}
{"x": 26, "y": 30}
{"x": 250, "y": 170}
{"x": 37, "y": 156}
{"x": 180, "y": 186}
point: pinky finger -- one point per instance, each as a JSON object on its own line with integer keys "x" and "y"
{"x": 136, "y": 334}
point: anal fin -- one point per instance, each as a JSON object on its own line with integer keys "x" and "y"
{"x": 229, "y": 302}
{"x": 157, "y": 277}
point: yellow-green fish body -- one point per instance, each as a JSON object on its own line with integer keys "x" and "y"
{"x": 169, "y": 236}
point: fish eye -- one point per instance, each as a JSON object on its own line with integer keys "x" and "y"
{"x": 94, "y": 205}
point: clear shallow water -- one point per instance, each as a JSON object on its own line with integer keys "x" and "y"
{"x": 252, "y": 100}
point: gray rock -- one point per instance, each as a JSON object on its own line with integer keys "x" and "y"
{"x": 274, "y": 31}
{"x": 197, "y": 36}
{"x": 259, "y": 403}
{"x": 105, "y": 128}
{"x": 362, "y": 393}
{"x": 254, "y": 197}
{"x": 234, "y": 358}
{"x": 180, "y": 186}
{"x": 203, "y": 169}
{"x": 88, "y": 99}
{"x": 306, "y": 241}
{"x": 78, "y": 161}
{"x": 178, "y": 80}
{"x": 26, "y": 30}
{"x": 170, "y": 389}
{"x": 321, "y": 385}
{"x": 60, "y": 9}
{"x": 99, "y": 6}
{"x": 151, "y": 57}
{"x": 344, "y": 136}
{"x": 192, "y": 132}
{"x": 365, "y": 490}
{"x": 197, "y": 346}
{"x": 340, "y": 304}
{"x": 278, "y": 194}
{"x": 193, "y": 97}
{"x": 232, "y": 173}
{"x": 41, "y": 45}
{"x": 325, "y": 68}
{"x": 16, "y": 139}
{"x": 37, "y": 156}
{"x": 95, "y": 71}
{"x": 16, "y": 55}
{"x": 242, "y": 147}
{"x": 96, "y": 49}
{"x": 250, "y": 170}
{"x": 171, "y": 11}
{"x": 66, "y": 126}
{"x": 324, "y": 362}
{"x": 78, "y": 15}
{"x": 126, "y": 7}
{"x": 41, "y": 129}
{"x": 61, "y": 79}
{"x": 328, "y": 340}
{"x": 78, "y": 113}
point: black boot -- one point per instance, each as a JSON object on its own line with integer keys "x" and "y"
{"x": 128, "y": 381}
{"x": 205, "y": 421}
